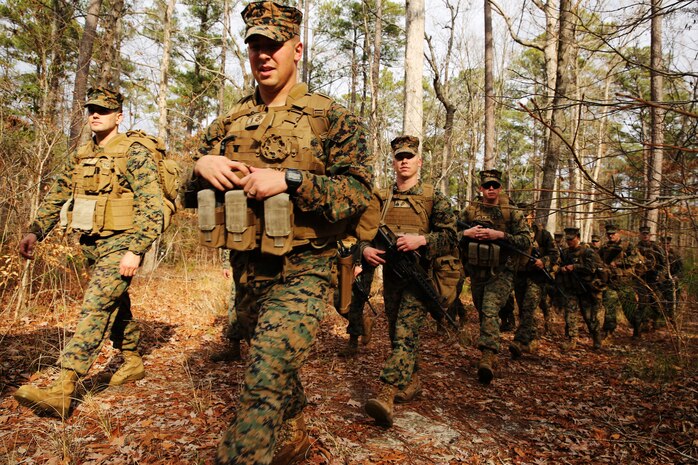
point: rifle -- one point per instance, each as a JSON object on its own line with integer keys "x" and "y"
{"x": 406, "y": 266}
{"x": 535, "y": 253}
{"x": 356, "y": 285}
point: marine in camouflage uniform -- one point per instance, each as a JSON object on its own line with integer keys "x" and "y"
{"x": 624, "y": 264}
{"x": 578, "y": 265}
{"x": 650, "y": 292}
{"x": 113, "y": 256}
{"x": 491, "y": 276}
{"x": 288, "y": 290}
{"x": 530, "y": 283}
{"x": 595, "y": 243}
{"x": 423, "y": 220}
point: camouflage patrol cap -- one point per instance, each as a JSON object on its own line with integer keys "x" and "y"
{"x": 490, "y": 176}
{"x": 105, "y": 98}
{"x": 595, "y": 238}
{"x": 527, "y": 207}
{"x": 405, "y": 144}
{"x": 273, "y": 20}
{"x": 611, "y": 228}
{"x": 571, "y": 232}
{"x": 644, "y": 229}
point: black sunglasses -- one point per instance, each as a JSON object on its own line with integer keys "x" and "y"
{"x": 491, "y": 185}
{"x": 402, "y": 155}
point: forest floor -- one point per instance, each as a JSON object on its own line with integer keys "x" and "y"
{"x": 631, "y": 403}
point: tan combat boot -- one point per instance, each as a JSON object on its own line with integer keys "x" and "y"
{"x": 131, "y": 370}
{"x": 230, "y": 354}
{"x": 411, "y": 391}
{"x": 381, "y": 408}
{"x": 54, "y": 400}
{"x": 368, "y": 329}
{"x": 517, "y": 348}
{"x": 485, "y": 368}
{"x": 293, "y": 442}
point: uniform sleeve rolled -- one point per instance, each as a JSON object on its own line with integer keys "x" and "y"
{"x": 345, "y": 189}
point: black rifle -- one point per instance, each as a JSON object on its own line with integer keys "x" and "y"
{"x": 357, "y": 285}
{"x": 582, "y": 285}
{"x": 406, "y": 266}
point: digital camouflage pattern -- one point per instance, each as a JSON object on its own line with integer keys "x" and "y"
{"x": 104, "y": 98}
{"x": 624, "y": 263}
{"x": 273, "y": 20}
{"x": 491, "y": 288}
{"x": 355, "y": 315}
{"x": 106, "y": 305}
{"x": 405, "y": 144}
{"x": 530, "y": 285}
{"x": 289, "y": 294}
{"x": 404, "y": 308}
{"x": 580, "y": 297}
{"x": 142, "y": 178}
{"x": 106, "y": 309}
{"x": 346, "y": 188}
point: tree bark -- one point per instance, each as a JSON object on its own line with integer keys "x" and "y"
{"x": 553, "y": 151}
{"x": 489, "y": 161}
{"x": 414, "y": 68}
{"x": 657, "y": 116}
{"x": 375, "y": 80}
{"x": 82, "y": 72}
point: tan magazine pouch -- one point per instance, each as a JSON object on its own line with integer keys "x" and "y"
{"x": 239, "y": 224}
{"x": 211, "y": 229}
{"x": 277, "y": 238}
{"x": 483, "y": 255}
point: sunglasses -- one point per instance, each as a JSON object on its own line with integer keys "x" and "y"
{"x": 491, "y": 185}
{"x": 402, "y": 155}
{"x": 99, "y": 110}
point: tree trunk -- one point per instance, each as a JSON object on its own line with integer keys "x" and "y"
{"x": 82, "y": 72}
{"x": 110, "y": 74}
{"x": 554, "y": 145}
{"x": 657, "y": 116}
{"x": 375, "y": 80}
{"x": 414, "y": 69}
{"x": 489, "y": 161}
{"x": 224, "y": 54}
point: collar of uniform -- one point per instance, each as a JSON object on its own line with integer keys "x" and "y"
{"x": 296, "y": 92}
{"x": 417, "y": 189}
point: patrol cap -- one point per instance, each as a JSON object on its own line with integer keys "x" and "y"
{"x": 611, "y": 228}
{"x": 105, "y": 98}
{"x": 558, "y": 236}
{"x": 405, "y": 144}
{"x": 527, "y": 207}
{"x": 490, "y": 176}
{"x": 645, "y": 229}
{"x": 571, "y": 233}
{"x": 595, "y": 238}
{"x": 273, "y": 20}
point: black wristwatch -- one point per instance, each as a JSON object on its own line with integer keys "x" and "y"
{"x": 294, "y": 178}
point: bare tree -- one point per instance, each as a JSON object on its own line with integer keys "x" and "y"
{"x": 414, "y": 69}
{"x": 489, "y": 161}
{"x": 83, "y": 69}
{"x": 656, "y": 152}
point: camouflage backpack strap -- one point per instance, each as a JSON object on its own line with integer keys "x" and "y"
{"x": 428, "y": 194}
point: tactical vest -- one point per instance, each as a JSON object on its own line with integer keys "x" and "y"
{"x": 409, "y": 214}
{"x": 289, "y": 136}
{"x": 102, "y": 202}
{"x": 484, "y": 254}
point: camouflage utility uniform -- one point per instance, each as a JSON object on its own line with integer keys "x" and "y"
{"x": 106, "y": 307}
{"x": 289, "y": 292}
{"x": 405, "y": 308}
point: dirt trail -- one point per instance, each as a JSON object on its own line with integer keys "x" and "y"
{"x": 629, "y": 403}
